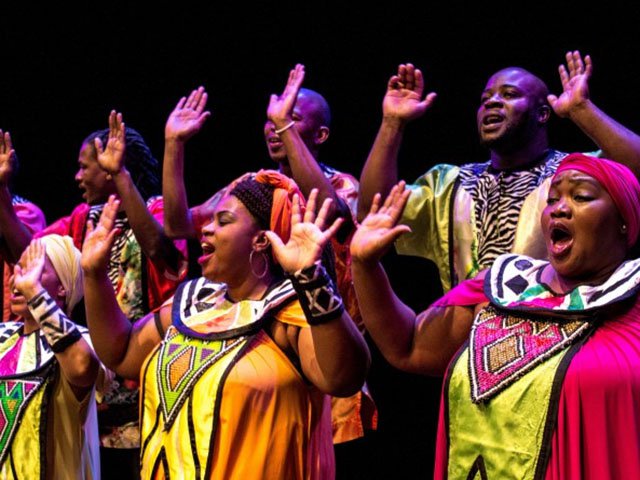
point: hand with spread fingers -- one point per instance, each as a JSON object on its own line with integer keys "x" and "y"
{"x": 28, "y": 270}
{"x": 403, "y": 100}
{"x": 280, "y": 109}
{"x": 309, "y": 235}
{"x": 188, "y": 117}
{"x": 380, "y": 228}
{"x": 111, "y": 156}
{"x": 575, "y": 84}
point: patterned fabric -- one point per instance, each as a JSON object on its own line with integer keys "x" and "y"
{"x": 45, "y": 430}
{"x": 181, "y": 362}
{"x": 505, "y": 340}
{"x": 352, "y": 416}
{"x": 462, "y": 218}
{"x": 140, "y": 287}
{"x": 498, "y": 197}
{"x": 59, "y": 331}
{"x": 217, "y": 385}
{"x": 504, "y": 346}
{"x": 138, "y": 290}
{"x": 317, "y": 294}
{"x": 506, "y": 383}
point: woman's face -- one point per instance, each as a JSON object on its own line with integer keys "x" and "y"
{"x": 582, "y": 228}
{"x": 227, "y": 242}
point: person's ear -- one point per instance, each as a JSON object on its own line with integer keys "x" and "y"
{"x": 62, "y": 292}
{"x": 260, "y": 242}
{"x": 544, "y": 113}
{"x": 322, "y": 135}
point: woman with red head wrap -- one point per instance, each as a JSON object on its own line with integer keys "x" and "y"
{"x": 236, "y": 369}
{"x": 541, "y": 356}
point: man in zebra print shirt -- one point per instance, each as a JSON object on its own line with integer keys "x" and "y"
{"x": 463, "y": 217}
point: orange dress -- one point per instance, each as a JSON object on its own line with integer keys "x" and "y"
{"x": 222, "y": 401}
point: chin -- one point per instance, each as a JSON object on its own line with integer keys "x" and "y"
{"x": 19, "y": 311}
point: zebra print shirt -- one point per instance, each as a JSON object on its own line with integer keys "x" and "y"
{"x": 115, "y": 258}
{"x": 498, "y": 198}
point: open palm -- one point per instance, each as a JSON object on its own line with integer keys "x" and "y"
{"x": 403, "y": 99}
{"x": 111, "y": 156}
{"x": 308, "y": 235}
{"x": 29, "y": 268}
{"x": 188, "y": 117}
{"x": 380, "y": 228}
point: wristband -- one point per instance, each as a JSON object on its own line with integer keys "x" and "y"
{"x": 317, "y": 294}
{"x": 59, "y": 331}
{"x": 286, "y": 127}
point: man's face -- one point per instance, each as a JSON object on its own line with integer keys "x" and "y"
{"x": 92, "y": 180}
{"x": 307, "y": 124}
{"x": 510, "y": 107}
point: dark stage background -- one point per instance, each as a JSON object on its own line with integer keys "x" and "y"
{"x": 62, "y": 71}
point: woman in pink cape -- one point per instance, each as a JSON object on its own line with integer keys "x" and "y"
{"x": 541, "y": 356}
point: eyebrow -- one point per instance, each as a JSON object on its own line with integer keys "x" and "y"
{"x": 502, "y": 86}
{"x": 578, "y": 180}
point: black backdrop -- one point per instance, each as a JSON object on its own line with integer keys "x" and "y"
{"x": 63, "y": 70}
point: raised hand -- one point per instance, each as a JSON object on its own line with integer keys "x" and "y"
{"x": 99, "y": 239}
{"x": 403, "y": 100}
{"x": 280, "y": 109}
{"x": 7, "y": 154}
{"x": 575, "y": 84}
{"x": 188, "y": 117}
{"x": 111, "y": 157}
{"x": 380, "y": 228}
{"x": 28, "y": 270}
{"x": 308, "y": 235}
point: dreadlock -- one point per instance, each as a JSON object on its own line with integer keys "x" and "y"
{"x": 140, "y": 162}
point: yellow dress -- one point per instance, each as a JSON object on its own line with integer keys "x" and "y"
{"x": 222, "y": 401}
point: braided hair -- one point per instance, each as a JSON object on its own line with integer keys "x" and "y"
{"x": 257, "y": 198}
{"x": 140, "y": 162}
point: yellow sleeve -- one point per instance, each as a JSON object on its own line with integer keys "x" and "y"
{"x": 292, "y": 314}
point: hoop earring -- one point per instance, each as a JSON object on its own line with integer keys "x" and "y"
{"x": 266, "y": 264}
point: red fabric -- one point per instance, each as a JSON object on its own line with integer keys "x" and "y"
{"x": 162, "y": 279}
{"x": 597, "y": 434}
{"x": 598, "y": 430}
{"x": 31, "y": 217}
{"x": 620, "y": 182}
{"x": 285, "y": 189}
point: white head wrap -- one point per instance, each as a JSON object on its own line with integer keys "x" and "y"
{"x": 65, "y": 258}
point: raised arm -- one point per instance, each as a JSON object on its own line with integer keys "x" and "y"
{"x": 615, "y": 140}
{"x": 304, "y": 167}
{"x": 78, "y": 362}
{"x": 333, "y": 354}
{"x": 184, "y": 122}
{"x": 15, "y": 235}
{"x": 402, "y": 103}
{"x": 121, "y": 346}
{"x": 414, "y": 343}
{"x": 148, "y": 232}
